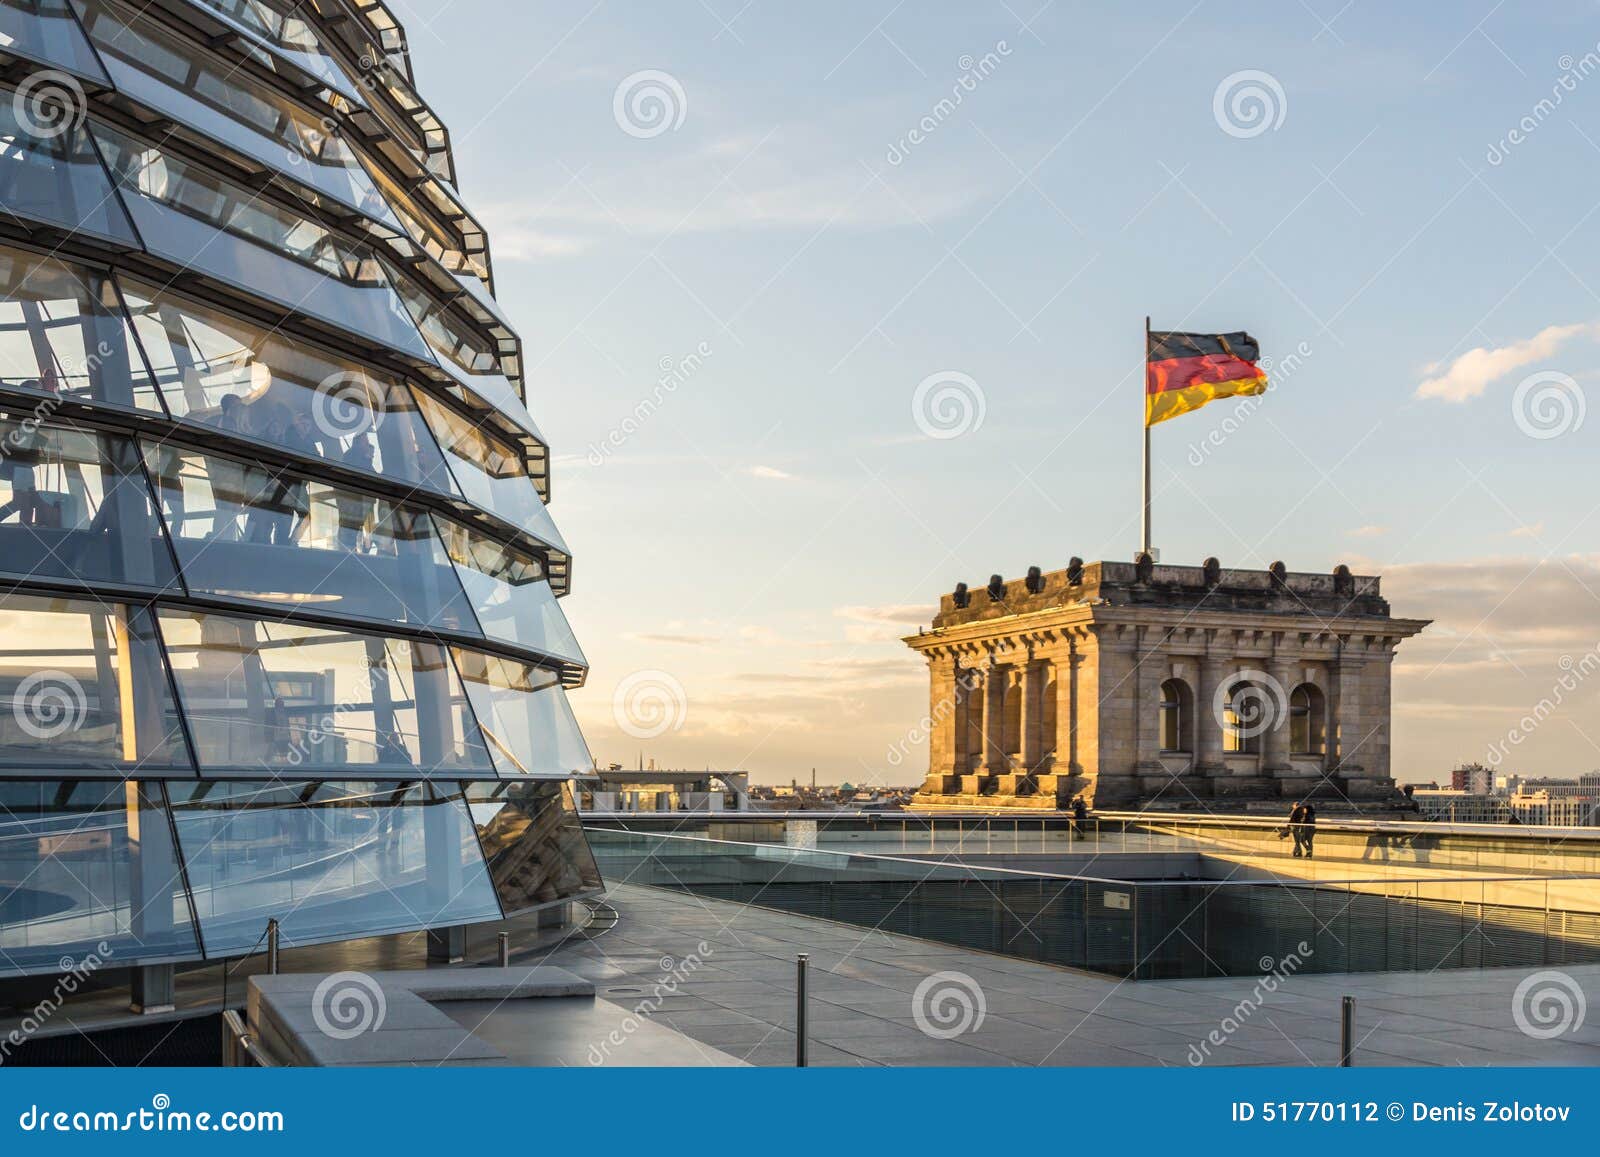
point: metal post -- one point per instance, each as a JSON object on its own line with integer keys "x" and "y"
{"x": 800, "y": 1010}
{"x": 1144, "y": 422}
{"x": 504, "y": 956}
{"x": 1347, "y": 1032}
{"x": 272, "y": 946}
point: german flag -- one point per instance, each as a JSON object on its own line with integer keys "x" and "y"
{"x": 1184, "y": 371}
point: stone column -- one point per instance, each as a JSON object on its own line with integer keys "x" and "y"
{"x": 994, "y": 719}
{"x": 961, "y": 719}
{"x": 1033, "y": 680}
{"x": 1275, "y": 740}
{"x": 1207, "y": 723}
{"x": 1147, "y": 672}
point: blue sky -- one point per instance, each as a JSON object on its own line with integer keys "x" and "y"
{"x": 765, "y": 534}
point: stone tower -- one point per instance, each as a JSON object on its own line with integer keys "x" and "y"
{"x": 1134, "y": 684}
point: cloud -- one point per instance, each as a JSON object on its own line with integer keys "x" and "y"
{"x": 916, "y": 614}
{"x": 681, "y": 640}
{"x": 1471, "y": 373}
{"x": 769, "y": 472}
{"x": 1369, "y": 531}
{"x": 1532, "y": 530}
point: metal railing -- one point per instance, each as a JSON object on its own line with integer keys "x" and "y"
{"x": 1140, "y": 929}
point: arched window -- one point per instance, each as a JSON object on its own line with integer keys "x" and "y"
{"x": 1245, "y": 715}
{"x": 1177, "y": 716}
{"x": 1308, "y": 721}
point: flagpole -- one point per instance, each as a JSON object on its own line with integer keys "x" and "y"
{"x": 1144, "y": 402}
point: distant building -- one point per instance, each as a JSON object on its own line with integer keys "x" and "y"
{"x": 1131, "y": 683}
{"x": 1452, "y": 805}
{"x": 656, "y": 790}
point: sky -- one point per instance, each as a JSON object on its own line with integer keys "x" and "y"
{"x": 827, "y": 307}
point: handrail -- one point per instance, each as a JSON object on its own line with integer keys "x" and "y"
{"x": 985, "y": 870}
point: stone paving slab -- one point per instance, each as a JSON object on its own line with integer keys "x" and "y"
{"x": 741, "y": 999}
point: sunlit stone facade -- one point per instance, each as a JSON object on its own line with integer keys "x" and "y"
{"x": 1131, "y": 684}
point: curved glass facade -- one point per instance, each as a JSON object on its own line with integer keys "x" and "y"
{"x": 280, "y": 631}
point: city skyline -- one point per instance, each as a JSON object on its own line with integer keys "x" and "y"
{"x": 902, "y": 199}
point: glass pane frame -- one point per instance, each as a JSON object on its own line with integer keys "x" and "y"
{"x": 525, "y": 717}
{"x": 65, "y": 336}
{"x": 52, "y": 172}
{"x": 533, "y": 843}
{"x": 85, "y": 689}
{"x": 93, "y": 878}
{"x": 509, "y": 591}
{"x": 155, "y": 66}
{"x": 253, "y": 532}
{"x": 76, "y": 507}
{"x": 287, "y": 258}
{"x": 46, "y": 31}
{"x": 276, "y": 698}
{"x": 330, "y": 860}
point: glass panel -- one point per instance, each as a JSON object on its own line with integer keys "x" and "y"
{"x": 280, "y": 695}
{"x": 63, "y": 334}
{"x": 525, "y": 716}
{"x": 250, "y": 531}
{"x": 330, "y": 861}
{"x": 533, "y": 842}
{"x": 48, "y": 168}
{"x": 295, "y": 261}
{"x": 46, "y": 31}
{"x": 87, "y": 872}
{"x": 82, "y": 685}
{"x": 509, "y": 593}
{"x": 180, "y": 79}
{"x": 467, "y": 349}
{"x": 289, "y": 36}
{"x": 205, "y": 362}
{"x": 490, "y": 473}
{"x": 74, "y": 505}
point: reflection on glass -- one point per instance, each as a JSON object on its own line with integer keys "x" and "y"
{"x": 222, "y": 372}
{"x": 284, "y": 696}
{"x": 55, "y": 176}
{"x": 533, "y": 842}
{"x": 509, "y": 593}
{"x": 46, "y": 31}
{"x": 490, "y": 472}
{"x": 183, "y": 81}
{"x": 469, "y": 350}
{"x": 87, "y": 868}
{"x": 270, "y": 534}
{"x": 525, "y": 716}
{"x": 290, "y": 36}
{"x": 63, "y": 334}
{"x": 295, "y": 260}
{"x": 82, "y": 685}
{"x": 74, "y": 505}
{"x": 330, "y": 861}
